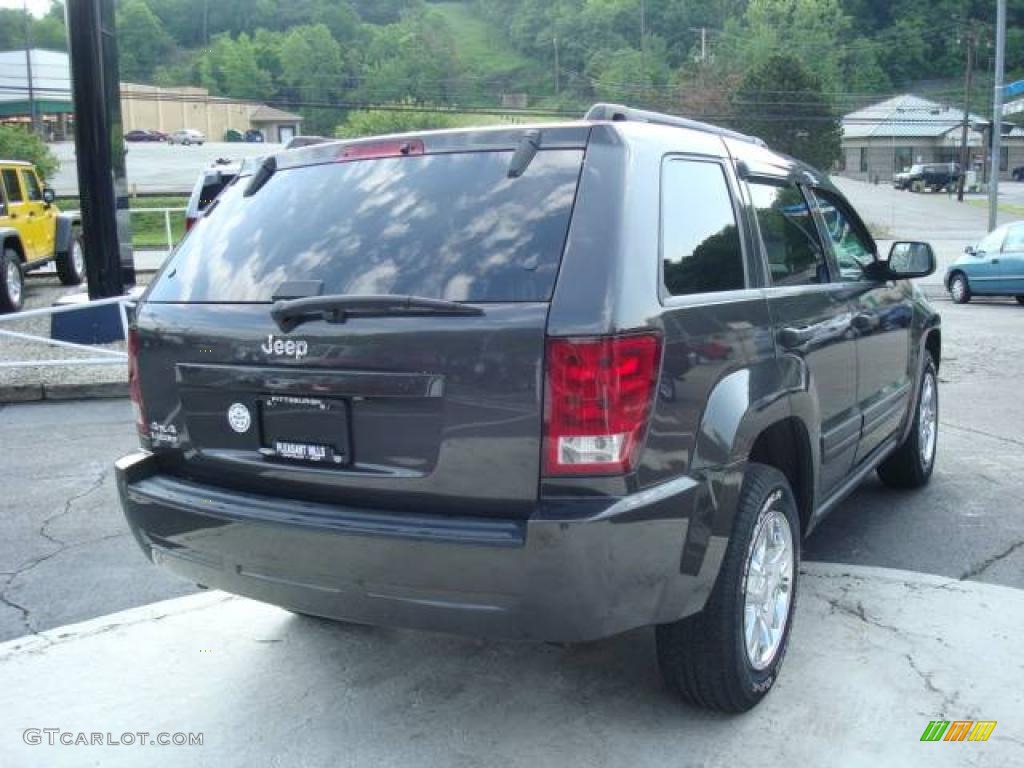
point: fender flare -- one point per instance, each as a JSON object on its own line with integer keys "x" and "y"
{"x": 739, "y": 408}
{"x": 932, "y": 325}
{"x": 66, "y": 225}
{"x": 8, "y": 233}
{"x": 746, "y": 402}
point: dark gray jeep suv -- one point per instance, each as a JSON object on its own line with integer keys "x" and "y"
{"x": 549, "y": 383}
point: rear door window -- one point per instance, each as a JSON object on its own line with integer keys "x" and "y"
{"x": 449, "y": 226}
{"x": 700, "y": 241}
{"x": 12, "y": 186}
{"x": 791, "y": 245}
{"x": 32, "y": 189}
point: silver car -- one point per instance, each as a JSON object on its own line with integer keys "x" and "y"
{"x": 186, "y": 136}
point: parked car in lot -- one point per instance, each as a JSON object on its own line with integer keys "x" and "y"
{"x": 209, "y": 184}
{"x": 186, "y": 137}
{"x": 538, "y": 382}
{"x": 994, "y": 267}
{"x": 934, "y": 177}
{"x": 34, "y": 233}
{"x": 141, "y": 134}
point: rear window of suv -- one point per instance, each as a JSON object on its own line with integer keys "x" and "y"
{"x": 446, "y": 226}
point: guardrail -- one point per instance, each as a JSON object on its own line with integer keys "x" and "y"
{"x": 167, "y": 220}
{"x": 108, "y": 356}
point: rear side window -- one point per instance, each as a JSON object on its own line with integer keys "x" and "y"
{"x": 35, "y": 194}
{"x": 448, "y": 226}
{"x": 791, "y": 245}
{"x": 849, "y": 243}
{"x": 700, "y": 241}
{"x": 12, "y": 186}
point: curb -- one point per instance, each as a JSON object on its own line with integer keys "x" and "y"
{"x": 29, "y": 393}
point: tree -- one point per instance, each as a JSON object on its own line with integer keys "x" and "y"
{"x": 782, "y": 102}
{"x": 813, "y": 31}
{"x": 313, "y": 69}
{"x": 141, "y": 40}
{"x": 376, "y": 122}
{"x": 16, "y": 143}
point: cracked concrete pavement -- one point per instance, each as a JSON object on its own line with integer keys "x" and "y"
{"x": 876, "y": 655}
{"x": 66, "y": 554}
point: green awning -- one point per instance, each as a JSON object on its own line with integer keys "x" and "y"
{"x": 43, "y": 107}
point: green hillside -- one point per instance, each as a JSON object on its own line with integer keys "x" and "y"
{"x": 480, "y": 47}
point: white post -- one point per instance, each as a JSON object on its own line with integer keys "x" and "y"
{"x": 167, "y": 229}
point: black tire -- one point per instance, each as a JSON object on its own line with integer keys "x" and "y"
{"x": 704, "y": 657}
{"x": 960, "y": 294}
{"x": 70, "y": 269}
{"x": 1020, "y": 299}
{"x": 908, "y": 466}
{"x": 12, "y": 295}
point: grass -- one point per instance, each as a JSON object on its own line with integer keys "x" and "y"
{"x": 480, "y": 45}
{"x": 148, "y": 229}
{"x": 1010, "y": 208}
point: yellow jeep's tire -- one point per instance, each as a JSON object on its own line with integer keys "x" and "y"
{"x": 71, "y": 264}
{"x": 12, "y": 281}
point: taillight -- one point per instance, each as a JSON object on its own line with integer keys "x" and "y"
{"x": 597, "y": 400}
{"x": 190, "y": 221}
{"x": 134, "y": 388}
{"x": 379, "y": 149}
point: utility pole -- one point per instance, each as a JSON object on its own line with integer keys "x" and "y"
{"x": 33, "y": 112}
{"x": 997, "y": 119}
{"x": 971, "y": 37}
{"x": 703, "y": 45}
{"x": 643, "y": 39}
{"x": 557, "y": 71}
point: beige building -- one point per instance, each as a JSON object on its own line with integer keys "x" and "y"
{"x": 142, "y": 106}
{"x": 171, "y": 109}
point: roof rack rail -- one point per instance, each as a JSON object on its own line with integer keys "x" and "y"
{"x": 620, "y": 113}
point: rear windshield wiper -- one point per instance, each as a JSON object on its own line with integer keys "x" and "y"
{"x": 336, "y": 309}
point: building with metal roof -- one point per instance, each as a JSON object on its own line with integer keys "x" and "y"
{"x": 886, "y": 138}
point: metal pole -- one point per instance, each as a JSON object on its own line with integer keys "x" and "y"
{"x": 33, "y": 113}
{"x": 964, "y": 153}
{"x": 99, "y": 146}
{"x": 997, "y": 120}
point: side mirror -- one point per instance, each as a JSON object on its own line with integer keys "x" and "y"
{"x": 969, "y": 250}
{"x": 909, "y": 260}
{"x": 49, "y": 196}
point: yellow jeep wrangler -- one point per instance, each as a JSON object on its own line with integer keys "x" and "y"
{"x": 34, "y": 233}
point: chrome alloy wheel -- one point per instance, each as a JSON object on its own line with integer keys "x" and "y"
{"x": 14, "y": 281}
{"x": 78, "y": 257}
{"x": 928, "y": 419}
{"x": 957, "y": 289}
{"x": 768, "y": 585}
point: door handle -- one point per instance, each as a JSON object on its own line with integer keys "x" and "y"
{"x": 995, "y": 261}
{"x": 865, "y": 321}
{"x": 795, "y": 337}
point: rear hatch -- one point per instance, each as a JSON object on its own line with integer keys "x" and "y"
{"x": 364, "y": 324}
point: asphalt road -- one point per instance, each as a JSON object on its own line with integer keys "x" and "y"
{"x": 155, "y": 167}
{"x": 66, "y": 556}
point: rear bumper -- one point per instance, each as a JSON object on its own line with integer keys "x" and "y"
{"x": 577, "y": 570}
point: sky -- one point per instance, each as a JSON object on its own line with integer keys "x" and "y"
{"x": 36, "y": 7}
